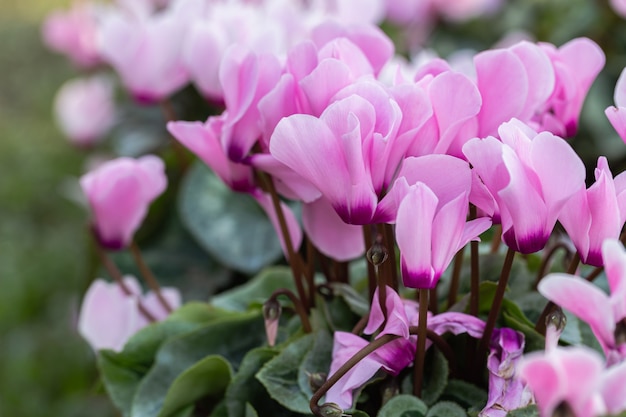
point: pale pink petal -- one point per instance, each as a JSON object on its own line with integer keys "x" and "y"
{"x": 330, "y": 76}
{"x": 560, "y": 169}
{"x": 447, "y": 229}
{"x": 288, "y": 182}
{"x": 576, "y": 219}
{"x": 619, "y": 96}
{"x": 614, "y": 258}
{"x": 107, "y": 317}
{"x": 330, "y": 235}
{"x": 503, "y": 86}
{"x": 614, "y": 389}
{"x": 414, "y": 235}
{"x": 544, "y": 379}
{"x": 617, "y": 117}
{"x": 202, "y": 50}
{"x": 584, "y": 300}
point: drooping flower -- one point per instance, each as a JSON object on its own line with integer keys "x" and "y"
{"x": 85, "y": 110}
{"x": 73, "y": 33}
{"x": 394, "y": 356}
{"x": 530, "y": 176}
{"x": 109, "y": 316}
{"x": 119, "y": 193}
{"x": 596, "y": 214}
{"x": 605, "y": 314}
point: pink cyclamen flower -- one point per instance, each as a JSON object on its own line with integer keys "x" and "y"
{"x": 576, "y": 65}
{"x": 119, "y": 193}
{"x": 85, "y": 110}
{"x": 145, "y": 52}
{"x": 605, "y": 314}
{"x": 530, "y": 176}
{"x": 596, "y": 214}
{"x": 348, "y": 152}
{"x": 619, "y": 7}
{"x": 429, "y": 234}
{"x": 73, "y": 33}
{"x": 573, "y": 381}
{"x": 109, "y": 316}
{"x": 617, "y": 114}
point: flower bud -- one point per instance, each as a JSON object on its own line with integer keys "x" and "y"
{"x": 377, "y": 254}
{"x": 271, "y": 314}
{"x": 555, "y": 323}
{"x": 331, "y": 410}
{"x": 316, "y": 380}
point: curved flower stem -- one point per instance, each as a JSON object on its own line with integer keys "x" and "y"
{"x": 332, "y": 380}
{"x": 456, "y": 275}
{"x": 495, "y": 307}
{"x": 422, "y": 330}
{"x": 545, "y": 263}
{"x": 540, "y": 326}
{"x": 304, "y": 318}
{"x": 148, "y": 276}
{"x": 294, "y": 258}
{"x": 441, "y": 344}
{"x": 360, "y": 325}
{"x": 116, "y": 274}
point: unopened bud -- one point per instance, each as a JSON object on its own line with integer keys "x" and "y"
{"x": 271, "y": 314}
{"x": 316, "y": 380}
{"x": 377, "y": 254}
{"x": 557, "y": 319}
{"x": 331, "y": 410}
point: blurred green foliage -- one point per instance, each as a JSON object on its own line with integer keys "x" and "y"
{"x": 45, "y": 368}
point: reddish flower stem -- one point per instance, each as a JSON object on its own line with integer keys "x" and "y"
{"x": 332, "y": 380}
{"x": 495, "y": 306}
{"x": 456, "y": 274}
{"x": 420, "y": 353}
{"x": 148, "y": 276}
{"x": 304, "y": 318}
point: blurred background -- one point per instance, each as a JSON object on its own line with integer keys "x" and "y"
{"x": 45, "y": 367}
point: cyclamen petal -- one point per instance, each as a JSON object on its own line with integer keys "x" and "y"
{"x": 119, "y": 193}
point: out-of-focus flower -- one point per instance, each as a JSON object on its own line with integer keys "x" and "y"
{"x": 595, "y": 214}
{"x": 85, "y": 110}
{"x": 119, "y": 193}
{"x": 573, "y": 381}
{"x": 530, "y": 176}
{"x": 146, "y": 52}
{"x": 73, "y": 33}
{"x": 619, "y": 7}
{"x": 109, "y": 316}
{"x": 617, "y": 114}
{"x": 604, "y": 314}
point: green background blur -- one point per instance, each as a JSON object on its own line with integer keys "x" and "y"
{"x": 45, "y": 368}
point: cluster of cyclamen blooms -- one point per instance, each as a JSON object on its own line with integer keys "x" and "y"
{"x": 360, "y": 141}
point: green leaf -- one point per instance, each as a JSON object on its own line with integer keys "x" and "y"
{"x": 245, "y": 388}
{"x": 120, "y": 381}
{"x": 435, "y": 377}
{"x": 256, "y": 291}
{"x": 250, "y": 411}
{"x": 228, "y": 225}
{"x": 446, "y": 409}
{"x": 357, "y": 303}
{"x": 403, "y": 405}
{"x": 528, "y": 411}
{"x": 220, "y": 410}
{"x": 285, "y": 376}
{"x": 231, "y": 338}
{"x": 467, "y": 395}
{"x": 208, "y": 377}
